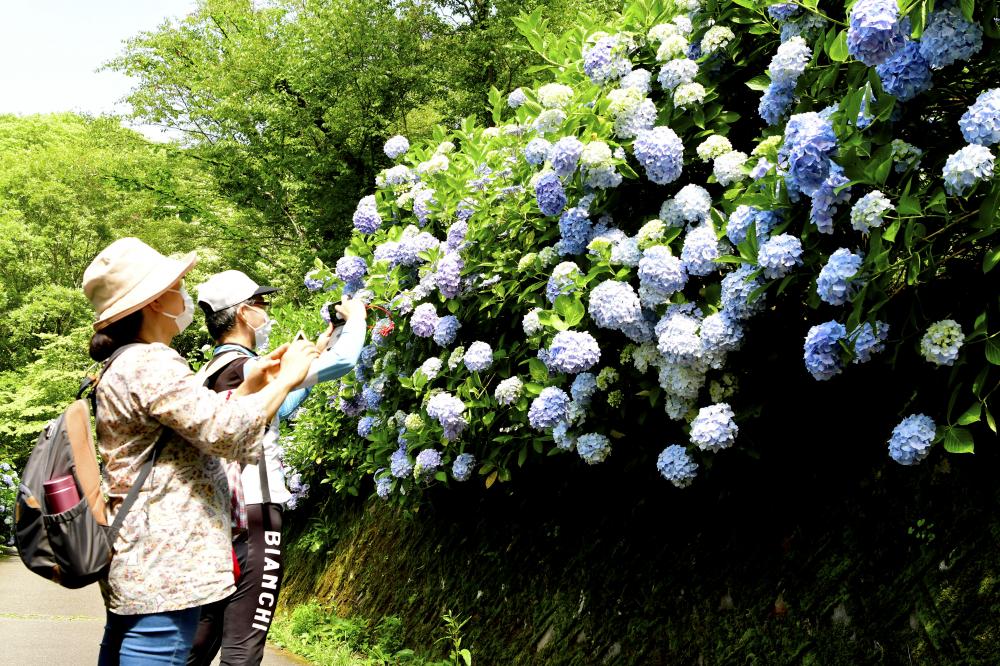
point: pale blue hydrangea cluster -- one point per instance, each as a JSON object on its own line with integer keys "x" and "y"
{"x": 677, "y": 72}
{"x": 383, "y": 486}
{"x": 807, "y": 25}
{"x": 516, "y": 98}
{"x": 530, "y": 323}
{"x": 575, "y": 229}
{"x": 827, "y": 198}
{"x": 412, "y": 244}
{"x": 422, "y": 200}
{"x": 677, "y": 466}
{"x": 549, "y": 121}
{"x": 447, "y": 410}
{"x": 593, "y": 447}
{"x": 868, "y": 340}
{"x": 562, "y": 437}
{"x": 869, "y": 211}
{"x": 448, "y": 276}
{"x": 607, "y": 60}
{"x": 822, "y": 351}
{"x": 397, "y": 175}
{"x": 905, "y": 74}
{"x": 966, "y": 167}
{"x": 572, "y": 352}
{"x": 479, "y": 356}
{"x": 399, "y": 464}
{"x": 786, "y": 67}
{"x": 431, "y": 367}
{"x": 446, "y": 329}
{"x": 677, "y": 336}
{"x": 351, "y": 269}
{"x": 700, "y": 250}
{"x": 949, "y": 38}
{"x": 729, "y": 168}
{"x": 463, "y": 466}
{"x": 693, "y": 203}
{"x": 562, "y": 280}
{"x": 396, "y": 146}
{"x": 366, "y": 424}
{"x": 599, "y": 167}
{"x": 809, "y": 144}
{"x": 737, "y": 287}
{"x": 660, "y": 152}
{"x": 661, "y": 272}
{"x": 911, "y": 440}
{"x": 640, "y": 79}
{"x": 720, "y": 334}
{"x": 980, "y": 124}
{"x": 428, "y": 462}
{"x": 942, "y": 341}
{"x": 509, "y": 390}
{"x": 712, "y": 147}
{"x": 564, "y": 155}
{"x": 423, "y": 320}
{"x": 837, "y": 282}
{"x": 782, "y": 11}
{"x": 366, "y": 217}
{"x": 779, "y": 255}
{"x": 548, "y": 409}
{"x": 312, "y": 282}
{"x": 714, "y": 428}
{"x": 550, "y": 194}
{"x": 743, "y": 217}
{"x": 537, "y": 151}
{"x": 583, "y": 388}
{"x": 874, "y": 32}
{"x": 632, "y": 111}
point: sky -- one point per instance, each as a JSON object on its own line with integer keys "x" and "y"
{"x": 50, "y": 51}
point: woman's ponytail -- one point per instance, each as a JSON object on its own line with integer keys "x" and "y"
{"x": 109, "y": 339}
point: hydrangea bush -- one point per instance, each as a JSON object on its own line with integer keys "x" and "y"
{"x": 9, "y": 481}
{"x": 675, "y": 178}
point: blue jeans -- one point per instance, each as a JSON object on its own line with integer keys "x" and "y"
{"x": 156, "y": 638}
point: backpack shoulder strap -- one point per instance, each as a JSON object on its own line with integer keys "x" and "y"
{"x": 217, "y": 363}
{"x": 133, "y": 492}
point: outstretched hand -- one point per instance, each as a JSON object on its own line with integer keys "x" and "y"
{"x": 262, "y": 371}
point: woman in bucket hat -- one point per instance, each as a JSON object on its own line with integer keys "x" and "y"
{"x": 174, "y": 552}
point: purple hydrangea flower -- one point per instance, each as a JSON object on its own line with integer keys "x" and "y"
{"x": 365, "y": 425}
{"x": 550, "y": 195}
{"x": 366, "y": 217}
{"x": 875, "y": 31}
{"x": 449, "y": 274}
{"x": 606, "y": 60}
{"x": 423, "y": 320}
{"x": 660, "y": 152}
{"x": 351, "y": 269}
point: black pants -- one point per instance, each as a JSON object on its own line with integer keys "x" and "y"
{"x": 238, "y": 624}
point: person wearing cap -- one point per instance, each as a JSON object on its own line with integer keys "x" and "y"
{"x": 236, "y": 314}
{"x": 174, "y": 551}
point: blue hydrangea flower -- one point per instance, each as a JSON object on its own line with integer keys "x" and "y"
{"x": 366, "y": 218}
{"x": 782, "y": 11}
{"x": 456, "y": 236}
{"x": 836, "y": 283}
{"x": 661, "y": 271}
{"x": 351, "y": 269}
{"x": 549, "y": 121}
{"x": 516, "y": 98}
{"x": 583, "y": 389}
{"x": 428, "y": 462}
{"x": 949, "y": 38}
{"x": 606, "y": 60}
{"x": 980, "y": 125}
{"x": 875, "y": 31}
{"x": 548, "y": 409}
{"x": 694, "y": 203}
{"x": 446, "y": 329}
{"x": 676, "y": 465}
{"x": 462, "y": 468}
{"x": 942, "y": 341}
{"x": 677, "y": 337}
{"x": 397, "y": 175}
{"x": 399, "y": 464}
{"x": 448, "y": 276}
{"x": 826, "y": 198}
{"x": 779, "y": 255}
{"x": 563, "y": 438}
{"x": 809, "y": 144}
{"x": 371, "y": 397}
{"x": 575, "y": 229}
{"x": 614, "y": 305}
{"x": 660, "y": 152}
{"x": 447, "y": 410}
{"x": 869, "y": 340}
{"x": 736, "y": 289}
{"x": 966, "y": 167}
{"x": 761, "y": 168}
{"x": 593, "y": 448}
{"x": 808, "y": 25}
{"x": 313, "y": 283}
{"x": 383, "y": 487}
{"x": 677, "y": 72}
{"x": 775, "y": 101}
{"x": 740, "y": 220}
{"x": 720, "y": 333}
{"x": 537, "y": 151}
{"x": 911, "y": 440}
{"x": 366, "y": 424}
{"x": 564, "y": 155}
{"x": 396, "y": 146}
{"x": 412, "y": 244}
{"x": 906, "y": 73}
{"x": 789, "y": 62}
{"x": 869, "y": 211}
{"x": 822, "y": 350}
{"x": 423, "y": 320}
{"x": 714, "y": 428}
{"x": 550, "y": 194}
{"x": 509, "y": 391}
{"x": 572, "y": 352}
{"x": 479, "y": 356}
{"x": 700, "y": 250}
{"x": 639, "y": 79}
{"x": 562, "y": 280}
{"x": 465, "y": 209}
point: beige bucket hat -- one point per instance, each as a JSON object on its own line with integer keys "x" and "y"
{"x": 128, "y": 275}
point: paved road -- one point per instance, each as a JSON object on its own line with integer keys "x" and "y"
{"x": 42, "y": 623}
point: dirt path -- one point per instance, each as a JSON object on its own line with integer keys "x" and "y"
{"x": 42, "y": 623}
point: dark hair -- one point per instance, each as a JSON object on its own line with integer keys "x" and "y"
{"x": 117, "y": 334}
{"x": 221, "y": 322}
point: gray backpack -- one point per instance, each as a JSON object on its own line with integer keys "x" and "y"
{"x": 73, "y": 548}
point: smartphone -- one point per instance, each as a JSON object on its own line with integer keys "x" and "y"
{"x": 338, "y": 329}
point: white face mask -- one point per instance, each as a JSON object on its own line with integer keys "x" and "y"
{"x": 186, "y": 316}
{"x": 262, "y": 333}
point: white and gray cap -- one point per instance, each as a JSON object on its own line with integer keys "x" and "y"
{"x": 228, "y": 288}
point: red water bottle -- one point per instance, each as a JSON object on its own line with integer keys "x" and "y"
{"x": 61, "y": 494}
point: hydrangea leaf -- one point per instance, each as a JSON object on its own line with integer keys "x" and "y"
{"x": 972, "y": 415}
{"x": 958, "y": 440}
{"x": 993, "y": 351}
{"x": 838, "y": 49}
{"x": 990, "y": 259}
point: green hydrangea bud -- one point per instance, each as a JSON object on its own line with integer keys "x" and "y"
{"x": 606, "y": 377}
{"x": 615, "y": 399}
{"x": 548, "y": 256}
{"x": 626, "y": 355}
{"x": 527, "y": 261}
{"x": 457, "y": 355}
{"x": 413, "y": 422}
{"x": 650, "y": 234}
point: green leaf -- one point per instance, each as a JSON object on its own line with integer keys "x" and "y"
{"x": 538, "y": 371}
{"x": 552, "y": 320}
{"x": 759, "y": 82}
{"x": 958, "y": 440}
{"x": 838, "y": 49}
{"x": 971, "y": 415}
{"x": 993, "y": 351}
{"x": 989, "y": 420}
{"x": 908, "y": 205}
{"x": 990, "y": 259}
{"x": 570, "y": 309}
{"x": 522, "y": 456}
{"x": 967, "y": 7}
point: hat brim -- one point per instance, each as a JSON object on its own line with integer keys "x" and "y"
{"x": 158, "y": 281}
{"x": 261, "y": 291}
